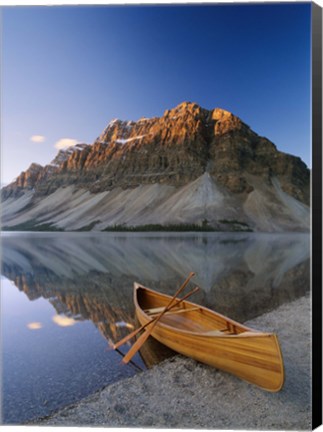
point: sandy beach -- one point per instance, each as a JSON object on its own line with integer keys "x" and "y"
{"x": 181, "y": 393}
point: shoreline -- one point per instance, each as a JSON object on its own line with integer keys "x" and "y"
{"x": 182, "y": 393}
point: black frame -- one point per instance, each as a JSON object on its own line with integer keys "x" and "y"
{"x": 316, "y": 215}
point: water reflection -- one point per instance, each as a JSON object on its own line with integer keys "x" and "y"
{"x": 91, "y": 276}
{"x": 34, "y": 325}
{"x": 79, "y": 285}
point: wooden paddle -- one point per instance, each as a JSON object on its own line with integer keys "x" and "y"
{"x": 138, "y": 330}
{"x": 142, "y": 339}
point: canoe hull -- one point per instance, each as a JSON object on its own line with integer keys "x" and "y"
{"x": 252, "y": 356}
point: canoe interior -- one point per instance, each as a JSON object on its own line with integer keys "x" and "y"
{"x": 188, "y": 316}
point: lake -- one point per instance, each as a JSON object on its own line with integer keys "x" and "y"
{"x": 67, "y": 296}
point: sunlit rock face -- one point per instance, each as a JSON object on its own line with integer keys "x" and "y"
{"x": 188, "y": 166}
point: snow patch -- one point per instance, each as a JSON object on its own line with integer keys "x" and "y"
{"x": 124, "y": 141}
{"x": 112, "y": 122}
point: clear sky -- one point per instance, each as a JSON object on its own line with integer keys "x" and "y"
{"x": 67, "y": 71}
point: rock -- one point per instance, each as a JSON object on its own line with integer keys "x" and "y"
{"x": 174, "y": 151}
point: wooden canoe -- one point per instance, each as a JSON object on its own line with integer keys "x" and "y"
{"x": 214, "y": 339}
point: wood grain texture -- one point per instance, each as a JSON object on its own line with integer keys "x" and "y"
{"x": 214, "y": 339}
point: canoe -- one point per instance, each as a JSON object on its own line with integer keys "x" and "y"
{"x": 211, "y": 338}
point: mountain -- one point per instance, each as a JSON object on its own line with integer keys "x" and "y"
{"x": 190, "y": 166}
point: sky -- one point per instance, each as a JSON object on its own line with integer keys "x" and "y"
{"x": 68, "y": 70}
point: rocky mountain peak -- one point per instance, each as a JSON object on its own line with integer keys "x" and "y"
{"x": 184, "y": 107}
{"x": 226, "y": 122}
{"x": 171, "y": 152}
{"x": 116, "y": 129}
{"x": 64, "y": 154}
{"x": 28, "y": 178}
{"x": 187, "y": 109}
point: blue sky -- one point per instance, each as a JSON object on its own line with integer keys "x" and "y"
{"x": 67, "y": 71}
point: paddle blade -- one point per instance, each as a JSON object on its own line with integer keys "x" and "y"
{"x": 128, "y": 337}
{"x": 135, "y": 347}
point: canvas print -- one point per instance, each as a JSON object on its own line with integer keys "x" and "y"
{"x": 156, "y": 216}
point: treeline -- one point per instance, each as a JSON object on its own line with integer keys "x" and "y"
{"x": 159, "y": 227}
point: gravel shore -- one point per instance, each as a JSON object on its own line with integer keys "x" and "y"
{"x": 181, "y": 393}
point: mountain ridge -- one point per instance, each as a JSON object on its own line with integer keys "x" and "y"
{"x": 187, "y": 146}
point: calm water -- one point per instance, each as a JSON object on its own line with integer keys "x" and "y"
{"x": 65, "y": 296}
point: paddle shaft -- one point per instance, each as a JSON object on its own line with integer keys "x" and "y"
{"x": 142, "y": 339}
{"x": 176, "y": 294}
{"x": 138, "y": 330}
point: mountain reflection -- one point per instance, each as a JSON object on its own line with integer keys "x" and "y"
{"x": 90, "y": 276}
